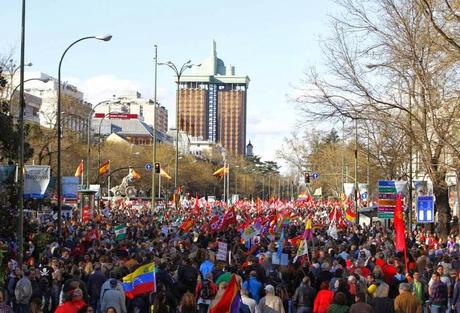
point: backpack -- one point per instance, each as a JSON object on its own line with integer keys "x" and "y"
{"x": 206, "y": 290}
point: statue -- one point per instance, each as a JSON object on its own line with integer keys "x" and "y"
{"x": 124, "y": 190}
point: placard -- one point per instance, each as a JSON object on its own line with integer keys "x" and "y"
{"x": 222, "y": 251}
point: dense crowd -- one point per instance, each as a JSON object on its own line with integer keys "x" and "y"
{"x": 356, "y": 270}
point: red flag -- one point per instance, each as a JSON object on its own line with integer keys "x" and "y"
{"x": 197, "y": 205}
{"x": 398, "y": 221}
{"x": 214, "y": 223}
{"x": 229, "y": 218}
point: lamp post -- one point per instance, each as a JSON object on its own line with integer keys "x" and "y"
{"x": 178, "y": 72}
{"x": 154, "y": 139}
{"x": 43, "y": 80}
{"x": 88, "y": 151}
{"x": 20, "y": 228}
{"x": 59, "y": 128}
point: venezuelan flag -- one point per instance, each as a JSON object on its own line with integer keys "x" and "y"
{"x": 230, "y": 300}
{"x": 141, "y": 281}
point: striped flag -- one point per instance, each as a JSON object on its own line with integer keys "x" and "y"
{"x": 120, "y": 232}
{"x": 79, "y": 170}
{"x": 104, "y": 167}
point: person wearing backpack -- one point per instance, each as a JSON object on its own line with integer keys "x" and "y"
{"x": 205, "y": 292}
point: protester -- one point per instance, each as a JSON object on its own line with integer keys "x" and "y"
{"x": 251, "y": 303}
{"x": 263, "y": 244}
{"x": 5, "y": 308}
{"x": 253, "y": 286}
{"x": 271, "y": 303}
{"x": 23, "y": 292}
{"x": 304, "y": 297}
{"x": 339, "y": 304}
{"x": 113, "y": 297}
{"x": 406, "y": 302}
{"x": 72, "y": 298}
{"x": 361, "y": 306}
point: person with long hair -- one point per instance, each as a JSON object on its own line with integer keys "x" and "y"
{"x": 187, "y": 304}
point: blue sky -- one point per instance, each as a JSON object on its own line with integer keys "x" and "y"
{"x": 273, "y": 42}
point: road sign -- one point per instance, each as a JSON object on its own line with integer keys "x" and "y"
{"x": 315, "y": 175}
{"x": 148, "y": 167}
{"x": 387, "y": 199}
{"x": 425, "y": 209}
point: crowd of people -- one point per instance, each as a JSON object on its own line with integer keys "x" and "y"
{"x": 355, "y": 270}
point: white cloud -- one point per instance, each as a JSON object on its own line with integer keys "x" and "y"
{"x": 103, "y": 87}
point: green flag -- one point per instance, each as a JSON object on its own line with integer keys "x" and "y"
{"x": 120, "y": 232}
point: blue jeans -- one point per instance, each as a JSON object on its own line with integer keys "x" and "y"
{"x": 303, "y": 309}
{"x": 438, "y": 308}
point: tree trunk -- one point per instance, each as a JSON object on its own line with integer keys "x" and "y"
{"x": 442, "y": 208}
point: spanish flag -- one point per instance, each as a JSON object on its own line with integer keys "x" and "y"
{"x": 187, "y": 225}
{"x": 134, "y": 174}
{"x": 164, "y": 174}
{"x": 141, "y": 281}
{"x": 104, "y": 167}
{"x": 79, "y": 170}
{"x": 221, "y": 171}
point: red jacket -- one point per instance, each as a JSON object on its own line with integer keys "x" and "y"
{"x": 322, "y": 301}
{"x": 70, "y": 306}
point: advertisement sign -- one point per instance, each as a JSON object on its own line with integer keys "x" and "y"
{"x": 387, "y": 198}
{"x": 36, "y": 180}
{"x": 70, "y": 186}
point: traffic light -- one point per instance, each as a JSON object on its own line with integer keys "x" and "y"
{"x": 157, "y": 168}
{"x": 307, "y": 177}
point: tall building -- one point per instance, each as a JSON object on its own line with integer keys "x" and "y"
{"x": 213, "y": 104}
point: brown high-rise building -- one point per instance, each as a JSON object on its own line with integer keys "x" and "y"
{"x": 213, "y": 104}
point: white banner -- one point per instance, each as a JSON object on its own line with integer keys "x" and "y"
{"x": 349, "y": 189}
{"x": 363, "y": 191}
{"x": 36, "y": 180}
{"x": 401, "y": 187}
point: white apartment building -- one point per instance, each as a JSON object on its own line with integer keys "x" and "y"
{"x": 131, "y": 102}
{"x": 75, "y": 111}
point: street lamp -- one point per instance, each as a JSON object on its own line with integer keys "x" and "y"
{"x": 43, "y": 80}
{"x": 59, "y": 128}
{"x": 178, "y": 72}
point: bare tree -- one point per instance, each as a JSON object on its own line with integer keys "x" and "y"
{"x": 385, "y": 66}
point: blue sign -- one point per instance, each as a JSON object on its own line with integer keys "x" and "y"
{"x": 148, "y": 167}
{"x": 425, "y": 209}
{"x": 315, "y": 175}
{"x": 70, "y": 186}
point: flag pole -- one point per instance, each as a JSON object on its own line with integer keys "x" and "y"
{"x": 159, "y": 185}
{"x": 225, "y": 184}
{"x": 108, "y": 183}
